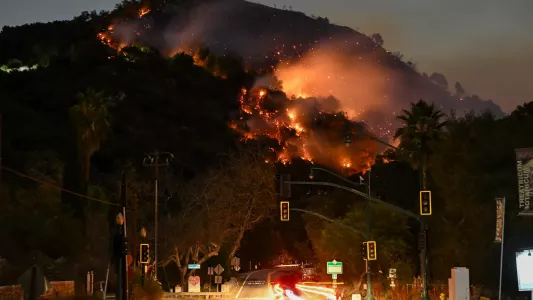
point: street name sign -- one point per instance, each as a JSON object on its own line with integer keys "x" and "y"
{"x": 334, "y": 267}
{"x": 194, "y": 266}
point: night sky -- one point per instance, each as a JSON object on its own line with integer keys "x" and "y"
{"x": 487, "y": 45}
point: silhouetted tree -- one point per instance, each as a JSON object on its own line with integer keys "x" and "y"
{"x": 376, "y": 37}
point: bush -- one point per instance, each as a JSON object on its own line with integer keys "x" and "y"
{"x": 151, "y": 290}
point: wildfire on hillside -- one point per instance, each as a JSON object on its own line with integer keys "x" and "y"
{"x": 302, "y": 129}
{"x": 296, "y": 119}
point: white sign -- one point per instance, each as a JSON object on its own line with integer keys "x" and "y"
{"x": 210, "y": 271}
{"x": 334, "y": 276}
{"x": 237, "y": 268}
{"x": 235, "y": 261}
{"x": 334, "y": 267}
{"x": 524, "y": 270}
{"x": 356, "y": 296}
{"x": 392, "y": 273}
{"x": 218, "y": 269}
{"x": 194, "y": 284}
{"x": 218, "y": 279}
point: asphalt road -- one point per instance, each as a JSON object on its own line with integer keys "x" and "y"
{"x": 255, "y": 284}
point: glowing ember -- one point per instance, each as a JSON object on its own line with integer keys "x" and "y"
{"x": 143, "y": 11}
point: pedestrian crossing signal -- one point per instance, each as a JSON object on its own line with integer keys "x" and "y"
{"x": 425, "y": 203}
{"x": 284, "y": 210}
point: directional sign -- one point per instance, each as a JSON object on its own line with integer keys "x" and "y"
{"x": 194, "y": 266}
{"x": 218, "y": 269}
{"x": 334, "y": 267}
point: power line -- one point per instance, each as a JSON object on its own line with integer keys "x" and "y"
{"x": 57, "y": 187}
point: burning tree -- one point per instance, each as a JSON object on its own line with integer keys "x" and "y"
{"x": 217, "y": 209}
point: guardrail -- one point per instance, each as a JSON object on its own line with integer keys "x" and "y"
{"x": 202, "y": 295}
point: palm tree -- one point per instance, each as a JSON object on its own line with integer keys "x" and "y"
{"x": 422, "y": 127}
{"x": 90, "y": 124}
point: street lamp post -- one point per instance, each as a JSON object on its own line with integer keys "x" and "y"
{"x": 369, "y": 295}
{"x": 423, "y": 227}
{"x": 154, "y": 160}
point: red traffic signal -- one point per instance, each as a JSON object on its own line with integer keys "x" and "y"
{"x": 371, "y": 250}
{"x": 425, "y": 203}
{"x": 284, "y": 210}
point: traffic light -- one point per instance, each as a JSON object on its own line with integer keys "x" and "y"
{"x": 371, "y": 250}
{"x": 145, "y": 253}
{"x": 425, "y": 203}
{"x": 364, "y": 252}
{"x": 284, "y": 210}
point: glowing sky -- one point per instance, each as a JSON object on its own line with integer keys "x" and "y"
{"x": 487, "y": 45}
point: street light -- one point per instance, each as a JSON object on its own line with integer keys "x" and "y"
{"x": 423, "y": 230}
{"x": 156, "y": 160}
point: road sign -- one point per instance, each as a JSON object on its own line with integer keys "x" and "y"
{"x": 334, "y": 276}
{"x": 392, "y": 273}
{"x": 334, "y": 267}
{"x": 194, "y": 266}
{"x": 209, "y": 270}
{"x": 237, "y": 268}
{"x": 218, "y": 279}
{"x": 194, "y": 284}
{"x": 218, "y": 269}
{"x": 235, "y": 261}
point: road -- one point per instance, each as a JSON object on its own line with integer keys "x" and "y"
{"x": 255, "y": 285}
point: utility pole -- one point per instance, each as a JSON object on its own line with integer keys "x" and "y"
{"x": 155, "y": 160}
{"x": 0, "y": 154}
{"x": 120, "y": 245}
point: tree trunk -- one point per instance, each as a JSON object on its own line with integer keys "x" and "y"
{"x": 236, "y": 245}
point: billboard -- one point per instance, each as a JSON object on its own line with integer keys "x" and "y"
{"x": 524, "y": 168}
{"x": 524, "y": 269}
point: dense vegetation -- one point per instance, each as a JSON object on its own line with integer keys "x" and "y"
{"x": 85, "y": 115}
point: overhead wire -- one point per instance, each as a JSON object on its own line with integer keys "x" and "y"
{"x": 56, "y": 186}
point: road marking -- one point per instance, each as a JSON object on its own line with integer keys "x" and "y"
{"x": 240, "y": 290}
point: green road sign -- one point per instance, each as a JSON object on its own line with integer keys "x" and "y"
{"x": 334, "y": 267}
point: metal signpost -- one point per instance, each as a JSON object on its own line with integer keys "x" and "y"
{"x": 210, "y": 274}
{"x": 218, "y": 279}
{"x": 334, "y": 268}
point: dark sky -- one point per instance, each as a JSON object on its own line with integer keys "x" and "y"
{"x": 487, "y": 45}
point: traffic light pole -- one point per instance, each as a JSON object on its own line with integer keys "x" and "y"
{"x": 423, "y": 252}
{"x": 369, "y": 295}
{"x": 379, "y": 201}
{"x": 423, "y": 228}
